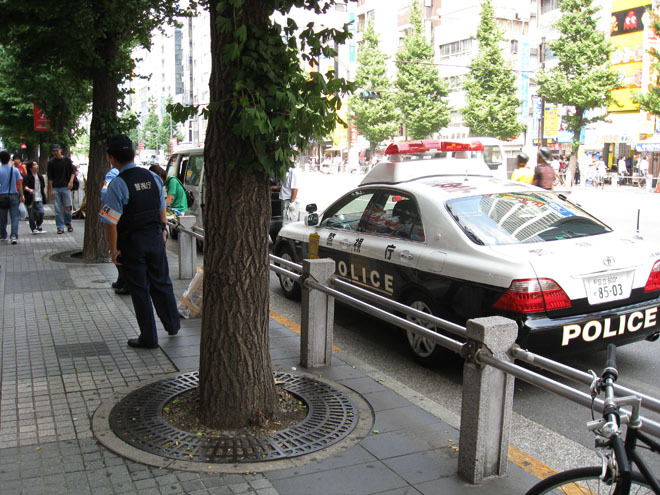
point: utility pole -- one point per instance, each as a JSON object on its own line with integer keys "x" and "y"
{"x": 542, "y": 123}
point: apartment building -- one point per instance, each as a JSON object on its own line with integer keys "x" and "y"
{"x": 180, "y": 61}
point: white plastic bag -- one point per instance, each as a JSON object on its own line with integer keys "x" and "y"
{"x": 190, "y": 303}
{"x": 22, "y": 211}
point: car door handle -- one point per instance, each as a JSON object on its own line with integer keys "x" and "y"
{"x": 345, "y": 244}
{"x": 406, "y": 256}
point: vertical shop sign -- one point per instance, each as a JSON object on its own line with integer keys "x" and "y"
{"x": 628, "y": 51}
{"x": 524, "y": 81}
{"x": 41, "y": 122}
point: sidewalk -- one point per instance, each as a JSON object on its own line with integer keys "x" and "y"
{"x": 64, "y": 352}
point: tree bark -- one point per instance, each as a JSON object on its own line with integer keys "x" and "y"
{"x": 104, "y": 114}
{"x": 236, "y": 383}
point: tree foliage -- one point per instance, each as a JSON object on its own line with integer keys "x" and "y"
{"x": 151, "y": 131}
{"x": 376, "y": 119}
{"x": 85, "y": 42}
{"x": 50, "y": 87}
{"x": 582, "y": 79}
{"x": 491, "y": 103}
{"x": 422, "y": 95}
{"x": 650, "y": 100}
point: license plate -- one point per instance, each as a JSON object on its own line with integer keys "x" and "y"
{"x": 608, "y": 287}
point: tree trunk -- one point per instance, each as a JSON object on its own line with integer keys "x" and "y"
{"x": 236, "y": 383}
{"x": 104, "y": 119}
{"x": 43, "y": 156}
{"x": 32, "y": 151}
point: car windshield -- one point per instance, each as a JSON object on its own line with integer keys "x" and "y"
{"x": 516, "y": 218}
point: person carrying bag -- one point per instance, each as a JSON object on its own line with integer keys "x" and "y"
{"x": 11, "y": 195}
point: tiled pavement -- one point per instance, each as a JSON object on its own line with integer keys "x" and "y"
{"x": 64, "y": 352}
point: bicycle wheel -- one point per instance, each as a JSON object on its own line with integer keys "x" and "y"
{"x": 585, "y": 480}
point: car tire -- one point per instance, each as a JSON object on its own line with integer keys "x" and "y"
{"x": 290, "y": 287}
{"x": 423, "y": 351}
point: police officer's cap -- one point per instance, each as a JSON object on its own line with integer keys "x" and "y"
{"x": 119, "y": 143}
{"x": 545, "y": 153}
{"x": 522, "y": 157}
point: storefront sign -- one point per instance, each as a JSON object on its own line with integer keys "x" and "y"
{"x": 628, "y": 51}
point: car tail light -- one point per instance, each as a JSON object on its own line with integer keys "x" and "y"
{"x": 532, "y": 296}
{"x": 653, "y": 283}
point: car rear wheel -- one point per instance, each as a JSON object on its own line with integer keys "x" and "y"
{"x": 423, "y": 350}
{"x": 290, "y": 287}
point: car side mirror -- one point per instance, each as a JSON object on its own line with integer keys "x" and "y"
{"x": 312, "y": 220}
{"x": 311, "y": 208}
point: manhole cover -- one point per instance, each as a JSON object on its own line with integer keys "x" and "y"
{"x": 75, "y": 256}
{"x": 138, "y": 421}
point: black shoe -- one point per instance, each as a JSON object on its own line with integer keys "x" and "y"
{"x": 115, "y": 285}
{"x": 172, "y": 332}
{"x": 138, "y": 343}
{"x": 123, "y": 291}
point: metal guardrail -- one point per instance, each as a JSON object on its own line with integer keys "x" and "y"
{"x": 477, "y": 345}
{"x": 531, "y": 377}
{"x": 196, "y": 232}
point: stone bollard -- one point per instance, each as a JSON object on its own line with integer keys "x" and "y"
{"x": 187, "y": 248}
{"x": 318, "y": 313}
{"x": 487, "y": 401}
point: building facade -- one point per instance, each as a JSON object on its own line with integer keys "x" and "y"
{"x": 180, "y": 63}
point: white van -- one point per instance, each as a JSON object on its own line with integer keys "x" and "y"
{"x": 187, "y": 164}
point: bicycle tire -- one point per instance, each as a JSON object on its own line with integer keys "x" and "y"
{"x": 585, "y": 480}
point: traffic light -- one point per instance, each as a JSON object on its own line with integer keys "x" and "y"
{"x": 369, "y": 94}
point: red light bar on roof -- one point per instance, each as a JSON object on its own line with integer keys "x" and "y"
{"x": 426, "y": 145}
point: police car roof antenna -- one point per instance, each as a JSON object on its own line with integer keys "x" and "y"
{"x": 637, "y": 236}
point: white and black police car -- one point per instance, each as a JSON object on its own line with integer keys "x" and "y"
{"x": 446, "y": 237}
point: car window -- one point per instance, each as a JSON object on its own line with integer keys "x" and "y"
{"x": 492, "y": 155}
{"x": 171, "y": 166}
{"x": 194, "y": 170}
{"x": 346, "y": 213}
{"x": 515, "y": 218}
{"x": 396, "y": 216}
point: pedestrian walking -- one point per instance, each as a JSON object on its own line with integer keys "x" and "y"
{"x": 18, "y": 163}
{"x": 544, "y": 175}
{"x": 643, "y": 166}
{"x": 622, "y": 169}
{"x": 11, "y": 194}
{"x": 523, "y": 173}
{"x": 288, "y": 195}
{"x": 175, "y": 194}
{"x": 34, "y": 189}
{"x": 135, "y": 225}
{"x": 60, "y": 174}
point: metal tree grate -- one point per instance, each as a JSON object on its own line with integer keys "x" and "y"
{"x": 137, "y": 420}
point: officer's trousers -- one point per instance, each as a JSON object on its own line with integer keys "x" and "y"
{"x": 147, "y": 276}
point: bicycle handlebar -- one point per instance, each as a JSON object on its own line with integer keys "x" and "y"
{"x": 610, "y": 370}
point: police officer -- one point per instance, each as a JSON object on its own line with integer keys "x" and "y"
{"x": 133, "y": 217}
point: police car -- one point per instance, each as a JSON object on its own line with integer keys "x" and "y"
{"x": 446, "y": 237}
